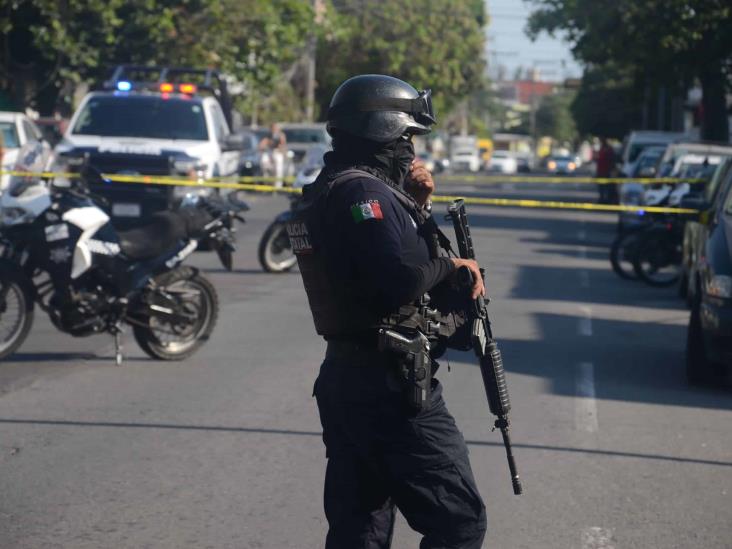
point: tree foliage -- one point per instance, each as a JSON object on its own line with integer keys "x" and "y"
{"x": 554, "y": 118}
{"x": 49, "y": 42}
{"x": 437, "y": 44}
{"x": 667, "y": 41}
{"x": 50, "y": 45}
{"x": 607, "y": 103}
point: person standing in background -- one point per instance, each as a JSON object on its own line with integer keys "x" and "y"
{"x": 274, "y": 153}
{"x": 605, "y": 164}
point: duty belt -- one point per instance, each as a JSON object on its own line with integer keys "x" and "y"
{"x": 339, "y": 349}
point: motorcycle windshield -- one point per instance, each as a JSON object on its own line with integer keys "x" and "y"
{"x": 19, "y": 185}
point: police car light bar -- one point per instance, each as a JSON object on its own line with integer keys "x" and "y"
{"x": 169, "y": 79}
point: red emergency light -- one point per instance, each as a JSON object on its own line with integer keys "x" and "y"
{"x": 189, "y": 89}
{"x": 167, "y": 87}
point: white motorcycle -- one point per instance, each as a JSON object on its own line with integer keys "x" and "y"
{"x": 59, "y": 250}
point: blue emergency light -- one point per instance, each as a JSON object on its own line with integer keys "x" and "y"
{"x": 124, "y": 85}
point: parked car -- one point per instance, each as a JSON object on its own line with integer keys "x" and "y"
{"x": 302, "y": 137}
{"x": 694, "y": 233}
{"x": 561, "y": 164}
{"x": 709, "y": 335}
{"x": 692, "y": 160}
{"x": 635, "y": 142}
{"x": 502, "y": 162}
{"x": 22, "y": 144}
{"x": 647, "y": 162}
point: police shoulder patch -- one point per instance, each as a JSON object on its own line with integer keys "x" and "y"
{"x": 368, "y": 209}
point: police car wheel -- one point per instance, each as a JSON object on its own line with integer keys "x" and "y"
{"x": 275, "y": 252}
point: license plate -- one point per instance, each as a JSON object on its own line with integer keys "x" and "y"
{"x": 57, "y": 232}
{"x": 126, "y": 210}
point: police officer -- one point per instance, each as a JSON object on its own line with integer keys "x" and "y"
{"x": 368, "y": 255}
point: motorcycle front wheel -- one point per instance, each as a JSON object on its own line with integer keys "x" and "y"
{"x": 16, "y": 311}
{"x": 622, "y": 254}
{"x": 275, "y": 252}
{"x": 195, "y": 306}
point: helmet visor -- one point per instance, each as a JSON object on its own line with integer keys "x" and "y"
{"x": 423, "y": 111}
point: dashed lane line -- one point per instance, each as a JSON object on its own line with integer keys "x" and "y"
{"x": 585, "y": 404}
{"x": 585, "y": 322}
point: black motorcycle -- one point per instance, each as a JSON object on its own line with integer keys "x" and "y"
{"x": 59, "y": 250}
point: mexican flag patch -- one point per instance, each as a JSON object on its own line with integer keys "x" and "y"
{"x": 366, "y": 210}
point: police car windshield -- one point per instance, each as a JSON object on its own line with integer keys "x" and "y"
{"x": 8, "y": 135}
{"x": 151, "y": 117}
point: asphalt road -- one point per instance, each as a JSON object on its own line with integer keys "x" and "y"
{"x": 224, "y": 450}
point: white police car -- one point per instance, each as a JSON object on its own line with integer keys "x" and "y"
{"x": 152, "y": 121}
{"x": 22, "y": 144}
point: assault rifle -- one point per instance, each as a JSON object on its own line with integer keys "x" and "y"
{"x": 485, "y": 347}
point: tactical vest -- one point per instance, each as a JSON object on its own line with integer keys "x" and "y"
{"x": 330, "y": 302}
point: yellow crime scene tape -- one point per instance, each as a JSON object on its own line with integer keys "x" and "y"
{"x": 256, "y": 186}
{"x": 492, "y": 179}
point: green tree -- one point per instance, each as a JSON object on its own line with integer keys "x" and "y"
{"x": 668, "y": 41}
{"x": 607, "y": 103}
{"x": 51, "y": 42}
{"x": 437, "y": 44}
{"x": 554, "y": 118}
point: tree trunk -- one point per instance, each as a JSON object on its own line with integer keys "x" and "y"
{"x": 715, "y": 122}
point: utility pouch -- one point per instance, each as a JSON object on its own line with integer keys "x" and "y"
{"x": 414, "y": 369}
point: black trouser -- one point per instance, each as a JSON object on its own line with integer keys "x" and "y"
{"x": 380, "y": 456}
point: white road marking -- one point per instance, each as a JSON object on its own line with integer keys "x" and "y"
{"x": 582, "y": 252}
{"x": 597, "y": 538}
{"x": 585, "y": 322}
{"x": 585, "y": 407}
{"x": 584, "y": 277}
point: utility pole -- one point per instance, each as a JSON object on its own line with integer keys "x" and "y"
{"x": 318, "y": 8}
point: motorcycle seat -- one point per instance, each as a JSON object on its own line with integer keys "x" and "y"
{"x": 161, "y": 234}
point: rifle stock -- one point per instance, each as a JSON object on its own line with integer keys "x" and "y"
{"x": 484, "y": 346}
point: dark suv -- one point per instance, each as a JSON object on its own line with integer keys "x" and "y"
{"x": 709, "y": 338}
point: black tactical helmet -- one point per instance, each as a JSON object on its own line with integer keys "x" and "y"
{"x": 379, "y": 108}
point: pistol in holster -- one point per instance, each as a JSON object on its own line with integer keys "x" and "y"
{"x": 414, "y": 365}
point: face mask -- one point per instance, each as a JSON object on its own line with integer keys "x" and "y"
{"x": 401, "y": 161}
{"x": 395, "y": 158}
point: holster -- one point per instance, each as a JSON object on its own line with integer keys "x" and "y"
{"x": 414, "y": 365}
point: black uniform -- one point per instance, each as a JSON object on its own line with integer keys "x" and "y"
{"x": 380, "y": 453}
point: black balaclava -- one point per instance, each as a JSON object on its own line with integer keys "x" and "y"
{"x": 392, "y": 159}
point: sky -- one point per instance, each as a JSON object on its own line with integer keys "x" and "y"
{"x": 509, "y": 46}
